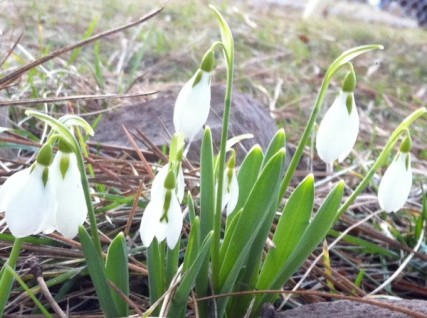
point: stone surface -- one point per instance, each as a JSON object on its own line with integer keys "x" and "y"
{"x": 350, "y": 309}
{"x": 155, "y": 119}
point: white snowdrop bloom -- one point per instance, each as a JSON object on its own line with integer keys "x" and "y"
{"x": 158, "y": 183}
{"x": 396, "y": 183}
{"x": 338, "y": 129}
{"x": 193, "y": 104}
{"x": 162, "y": 217}
{"x": 28, "y": 200}
{"x": 71, "y": 209}
{"x": 230, "y": 190}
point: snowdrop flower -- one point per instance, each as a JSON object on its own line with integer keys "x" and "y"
{"x": 396, "y": 183}
{"x": 339, "y": 127}
{"x": 230, "y": 189}
{"x": 71, "y": 210}
{"x": 28, "y": 197}
{"x": 193, "y": 102}
{"x": 45, "y": 197}
{"x": 162, "y": 217}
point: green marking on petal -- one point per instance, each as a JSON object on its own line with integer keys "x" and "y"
{"x": 45, "y": 176}
{"x": 349, "y": 103}
{"x": 166, "y": 206}
{"x": 64, "y": 164}
{"x": 198, "y": 78}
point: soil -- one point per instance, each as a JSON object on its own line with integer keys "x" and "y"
{"x": 349, "y": 309}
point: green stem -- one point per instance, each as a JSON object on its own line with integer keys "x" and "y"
{"x": 6, "y": 277}
{"x": 402, "y": 128}
{"x": 221, "y": 165}
{"x": 305, "y": 136}
{"x": 343, "y": 59}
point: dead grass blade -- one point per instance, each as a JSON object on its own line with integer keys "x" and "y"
{"x": 35, "y": 101}
{"x": 8, "y": 79}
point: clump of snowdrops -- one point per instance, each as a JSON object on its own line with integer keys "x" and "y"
{"x": 231, "y": 217}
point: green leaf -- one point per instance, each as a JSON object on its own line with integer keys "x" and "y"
{"x": 226, "y": 35}
{"x": 278, "y": 142}
{"x": 86, "y": 35}
{"x": 98, "y": 275}
{"x": 193, "y": 245}
{"x": 207, "y": 210}
{"x": 312, "y": 236}
{"x": 179, "y": 302}
{"x": 116, "y": 270}
{"x": 292, "y": 224}
{"x": 247, "y": 176}
{"x": 368, "y": 247}
{"x": 207, "y": 184}
{"x": 157, "y": 272}
{"x": 229, "y": 231}
{"x": 259, "y": 202}
{"x": 6, "y": 277}
{"x": 28, "y": 291}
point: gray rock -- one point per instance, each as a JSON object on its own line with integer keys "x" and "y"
{"x": 155, "y": 119}
{"x": 352, "y": 309}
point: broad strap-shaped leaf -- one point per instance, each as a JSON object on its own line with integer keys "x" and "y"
{"x": 278, "y": 142}
{"x": 207, "y": 210}
{"x": 292, "y": 224}
{"x": 179, "y": 302}
{"x": 253, "y": 214}
{"x": 97, "y": 273}
{"x": 116, "y": 270}
{"x": 207, "y": 184}
{"x": 313, "y": 235}
{"x": 247, "y": 176}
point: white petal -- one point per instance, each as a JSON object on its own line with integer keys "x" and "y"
{"x": 180, "y": 185}
{"x": 158, "y": 183}
{"x": 338, "y": 130}
{"x": 72, "y": 209}
{"x": 175, "y": 220}
{"x": 396, "y": 184}
{"x": 230, "y": 191}
{"x": 29, "y": 209}
{"x": 11, "y": 186}
{"x": 192, "y": 106}
{"x": 234, "y": 194}
{"x": 150, "y": 221}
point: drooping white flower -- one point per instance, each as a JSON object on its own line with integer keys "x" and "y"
{"x": 163, "y": 217}
{"x": 338, "y": 129}
{"x": 28, "y": 198}
{"x": 193, "y": 102}
{"x": 45, "y": 197}
{"x": 71, "y": 209}
{"x": 230, "y": 190}
{"x": 192, "y": 105}
{"x": 396, "y": 183}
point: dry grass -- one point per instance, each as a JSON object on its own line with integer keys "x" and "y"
{"x": 276, "y": 52}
